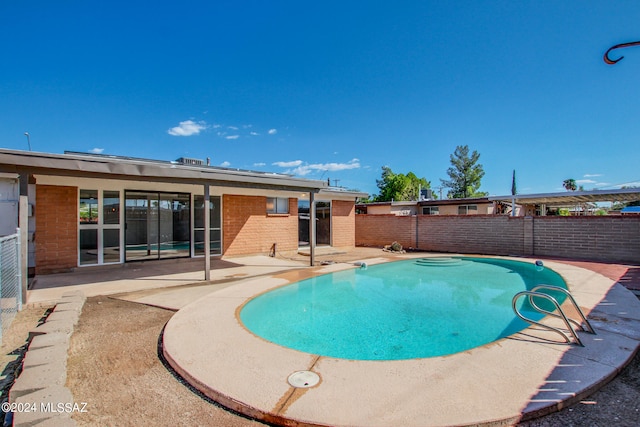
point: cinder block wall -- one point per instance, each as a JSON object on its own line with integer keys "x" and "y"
{"x": 596, "y": 238}
{"x": 56, "y": 213}
{"x": 381, "y": 230}
{"x": 343, "y": 223}
{"x": 499, "y": 235}
{"x": 247, "y": 229}
{"x": 599, "y": 238}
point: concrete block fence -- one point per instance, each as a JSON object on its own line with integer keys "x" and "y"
{"x": 594, "y": 238}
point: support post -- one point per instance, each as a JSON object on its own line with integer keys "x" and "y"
{"x": 207, "y": 233}
{"x": 23, "y": 224}
{"x": 312, "y": 228}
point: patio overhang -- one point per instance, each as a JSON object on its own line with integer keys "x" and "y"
{"x": 125, "y": 168}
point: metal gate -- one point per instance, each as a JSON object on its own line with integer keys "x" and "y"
{"x": 10, "y": 280}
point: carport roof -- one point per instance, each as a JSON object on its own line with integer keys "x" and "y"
{"x": 569, "y": 198}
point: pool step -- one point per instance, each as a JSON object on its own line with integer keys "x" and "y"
{"x": 441, "y": 261}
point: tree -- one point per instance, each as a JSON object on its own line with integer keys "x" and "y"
{"x": 465, "y": 174}
{"x": 514, "y": 191}
{"x": 570, "y": 184}
{"x": 397, "y": 186}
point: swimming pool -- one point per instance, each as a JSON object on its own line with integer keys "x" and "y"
{"x": 400, "y": 310}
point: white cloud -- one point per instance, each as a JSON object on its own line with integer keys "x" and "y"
{"x": 585, "y": 181}
{"x": 591, "y": 175}
{"x": 303, "y": 170}
{"x": 96, "y": 150}
{"x": 288, "y": 164}
{"x": 254, "y": 133}
{"x": 272, "y": 131}
{"x": 232, "y": 136}
{"x": 188, "y": 128}
{"x": 225, "y": 164}
{"x": 259, "y": 164}
{"x": 232, "y": 127}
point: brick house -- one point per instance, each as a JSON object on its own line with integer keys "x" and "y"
{"x": 469, "y": 206}
{"x": 87, "y": 210}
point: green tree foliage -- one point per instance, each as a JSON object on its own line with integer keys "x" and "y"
{"x": 465, "y": 174}
{"x": 399, "y": 187}
{"x": 570, "y": 184}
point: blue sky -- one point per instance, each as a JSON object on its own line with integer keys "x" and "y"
{"x": 332, "y": 89}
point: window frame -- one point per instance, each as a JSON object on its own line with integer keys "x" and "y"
{"x": 278, "y": 206}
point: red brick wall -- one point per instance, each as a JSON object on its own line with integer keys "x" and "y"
{"x": 381, "y": 230}
{"x": 490, "y": 234}
{"x": 596, "y": 238}
{"x": 343, "y": 215}
{"x": 56, "y": 237}
{"x": 247, "y": 229}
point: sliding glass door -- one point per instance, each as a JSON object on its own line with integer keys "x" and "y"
{"x": 157, "y": 225}
{"x": 323, "y": 223}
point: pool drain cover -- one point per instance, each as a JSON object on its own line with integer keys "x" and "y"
{"x": 303, "y": 379}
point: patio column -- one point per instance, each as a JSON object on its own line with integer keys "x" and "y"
{"x": 23, "y": 224}
{"x": 207, "y": 234}
{"x": 312, "y": 227}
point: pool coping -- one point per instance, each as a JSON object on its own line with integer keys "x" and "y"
{"x": 523, "y": 376}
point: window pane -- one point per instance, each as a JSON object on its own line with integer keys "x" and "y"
{"x": 271, "y": 205}
{"x": 88, "y": 247}
{"x": 111, "y": 208}
{"x": 88, "y": 206}
{"x": 111, "y": 245}
{"x": 282, "y": 205}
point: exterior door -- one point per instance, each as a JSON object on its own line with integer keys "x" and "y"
{"x": 157, "y": 225}
{"x": 323, "y": 223}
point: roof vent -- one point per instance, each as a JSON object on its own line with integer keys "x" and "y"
{"x": 190, "y": 161}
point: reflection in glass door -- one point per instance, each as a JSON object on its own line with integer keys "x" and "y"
{"x": 157, "y": 225}
{"x": 215, "y": 235}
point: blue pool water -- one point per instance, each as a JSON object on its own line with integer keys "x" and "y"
{"x": 400, "y": 310}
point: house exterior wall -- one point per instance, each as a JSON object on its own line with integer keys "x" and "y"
{"x": 248, "y": 229}
{"x": 56, "y": 213}
{"x": 452, "y": 209}
{"x": 595, "y": 238}
{"x": 343, "y": 215}
{"x": 246, "y": 226}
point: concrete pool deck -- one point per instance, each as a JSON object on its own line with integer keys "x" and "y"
{"x": 529, "y": 374}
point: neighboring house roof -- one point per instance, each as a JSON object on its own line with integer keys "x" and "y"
{"x": 569, "y": 198}
{"x": 118, "y": 167}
